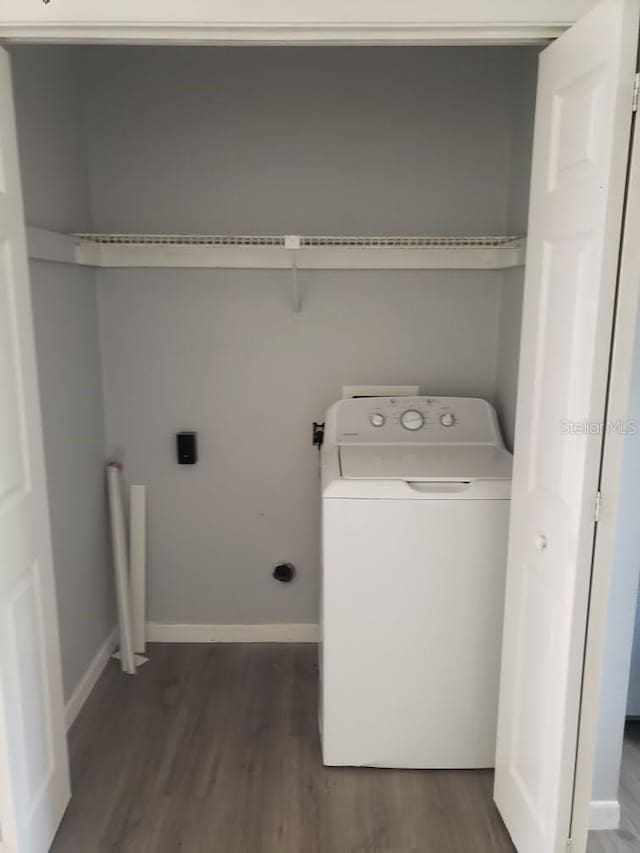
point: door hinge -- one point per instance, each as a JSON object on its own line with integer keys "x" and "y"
{"x": 569, "y": 845}
{"x": 596, "y": 513}
{"x": 636, "y": 93}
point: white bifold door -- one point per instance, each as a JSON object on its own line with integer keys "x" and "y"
{"x": 581, "y": 142}
{"x": 34, "y": 777}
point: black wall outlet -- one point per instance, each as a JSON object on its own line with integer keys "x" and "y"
{"x": 187, "y": 448}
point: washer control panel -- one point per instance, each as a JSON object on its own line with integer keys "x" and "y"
{"x": 416, "y": 420}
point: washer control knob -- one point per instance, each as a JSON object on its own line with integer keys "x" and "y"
{"x": 412, "y": 419}
{"x": 377, "y": 419}
{"x": 447, "y": 419}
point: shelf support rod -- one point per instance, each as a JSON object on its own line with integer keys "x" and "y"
{"x": 293, "y": 242}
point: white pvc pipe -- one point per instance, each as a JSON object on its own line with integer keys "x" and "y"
{"x": 121, "y": 569}
{"x": 137, "y": 563}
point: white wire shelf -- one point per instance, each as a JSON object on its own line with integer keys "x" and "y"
{"x": 286, "y": 252}
{"x": 265, "y": 240}
{"x": 299, "y": 252}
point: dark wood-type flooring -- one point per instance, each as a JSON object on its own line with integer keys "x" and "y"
{"x": 215, "y": 748}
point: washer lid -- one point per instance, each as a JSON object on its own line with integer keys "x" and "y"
{"x": 425, "y": 462}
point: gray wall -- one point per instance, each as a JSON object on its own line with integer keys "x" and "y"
{"x": 52, "y": 139}
{"x": 621, "y": 611}
{"x": 633, "y": 700}
{"x": 524, "y": 92}
{"x": 506, "y": 395}
{"x": 223, "y": 353}
{"x": 276, "y": 141}
{"x": 337, "y": 141}
{"x": 66, "y": 330}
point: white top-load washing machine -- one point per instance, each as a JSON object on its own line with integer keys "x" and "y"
{"x": 415, "y": 510}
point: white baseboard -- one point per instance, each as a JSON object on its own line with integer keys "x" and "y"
{"x": 604, "y": 814}
{"x": 280, "y": 632}
{"x": 89, "y": 679}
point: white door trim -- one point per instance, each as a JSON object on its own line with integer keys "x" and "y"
{"x": 618, "y": 404}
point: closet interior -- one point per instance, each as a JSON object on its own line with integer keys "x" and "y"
{"x": 220, "y": 240}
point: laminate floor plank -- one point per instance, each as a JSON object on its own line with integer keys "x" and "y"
{"x": 215, "y": 749}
